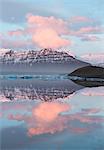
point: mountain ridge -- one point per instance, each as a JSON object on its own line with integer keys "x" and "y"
{"x": 11, "y": 55}
{"x": 45, "y": 61}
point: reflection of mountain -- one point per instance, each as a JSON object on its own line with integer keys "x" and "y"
{"x": 46, "y": 61}
{"x": 46, "y": 90}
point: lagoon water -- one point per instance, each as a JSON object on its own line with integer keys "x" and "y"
{"x": 50, "y": 113}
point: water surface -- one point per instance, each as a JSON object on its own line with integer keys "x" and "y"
{"x": 46, "y": 113}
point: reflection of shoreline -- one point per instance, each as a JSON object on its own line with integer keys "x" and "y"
{"x": 45, "y": 90}
{"x": 89, "y": 83}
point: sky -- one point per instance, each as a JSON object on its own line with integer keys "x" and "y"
{"x": 77, "y": 25}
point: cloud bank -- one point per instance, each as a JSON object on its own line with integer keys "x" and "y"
{"x": 51, "y": 32}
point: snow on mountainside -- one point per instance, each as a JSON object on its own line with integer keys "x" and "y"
{"x": 96, "y": 59}
{"x": 3, "y": 51}
{"x": 42, "y": 51}
{"x": 45, "y": 61}
{"x": 49, "y": 55}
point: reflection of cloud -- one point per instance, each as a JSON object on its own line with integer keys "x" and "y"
{"x": 91, "y": 110}
{"x": 79, "y": 130}
{"x": 17, "y": 117}
{"x": 88, "y": 119}
{"x": 54, "y": 110}
{"x": 18, "y": 107}
{"x": 45, "y": 118}
{"x": 48, "y": 118}
{"x": 99, "y": 91}
{"x": 1, "y": 114}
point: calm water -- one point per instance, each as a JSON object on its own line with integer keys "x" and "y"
{"x": 50, "y": 113}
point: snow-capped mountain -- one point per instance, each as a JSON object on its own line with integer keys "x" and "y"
{"x": 96, "y": 59}
{"x": 44, "y": 55}
{"x": 45, "y": 61}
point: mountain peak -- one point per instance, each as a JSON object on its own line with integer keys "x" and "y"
{"x": 50, "y": 50}
{"x": 44, "y": 51}
{"x": 96, "y": 59}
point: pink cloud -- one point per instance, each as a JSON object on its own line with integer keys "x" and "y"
{"x": 49, "y": 38}
{"x": 78, "y": 19}
{"x": 40, "y": 22}
{"x": 51, "y": 32}
{"x": 17, "y": 32}
{"x": 89, "y": 30}
{"x": 45, "y": 32}
{"x": 9, "y": 43}
{"x": 83, "y": 31}
{"x": 48, "y": 31}
{"x": 90, "y": 38}
{"x": 1, "y": 35}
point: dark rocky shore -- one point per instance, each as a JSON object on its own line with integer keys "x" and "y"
{"x": 88, "y": 72}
